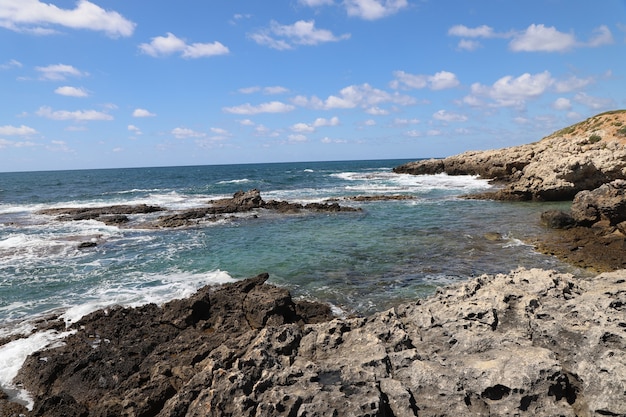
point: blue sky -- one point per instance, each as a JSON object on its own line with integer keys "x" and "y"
{"x": 118, "y": 83}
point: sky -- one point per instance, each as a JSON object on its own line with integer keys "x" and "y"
{"x": 117, "y": 83}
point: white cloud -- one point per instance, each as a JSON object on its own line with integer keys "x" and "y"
{"x": 602, "y": 36}
{"x": 319, "y": 122}
{"x": 404, "y": 122}
{"x": 509, "y": 91}
{"x": 571, "y": 84}
{"x": 468, "y": 45}
{"x": 142, "y": 113}
{"x": 302, "y": 32}
{"x": 4, "y": 143}
{"x": 374, "y": 9}
{"x": 446, "y": 116}
{"x": 270, "y": 107}
{"x": 535, "y": 38}
{"x": 78, "y": 115}
{"x": 463, "y": 31}
{"x": 135, "y": 130}
{"x": 364, "y": 96}
{"x": 297, "y": 138}
{"x": 265, "y": 90}
{"x": 59, "y": 72}
{"x": 322, "y": 122}
{"x": 316, "y": 3}
{"x": 595, "y": 103}
{"x": 17, "y": 131}
{"x": 562, "y": 104}
{"x": 35, "y": 16}
{"x": 246, "y": 122}
{"x": 71, "y": 91}
{"x": 12, "y": 63}
{"x": 541, "y": 38}
{"x": 439, "y": 81}
{"x": 370, "y": 122}
{"x": 171, "y": 44}
{"x": 184, "y": 133}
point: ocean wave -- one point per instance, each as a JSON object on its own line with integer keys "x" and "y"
{"x": 239, "y": 181}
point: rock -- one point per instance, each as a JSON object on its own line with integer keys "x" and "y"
{"x": 554, "y": 168}
{"x": 86, "y": 245}
{"x": 528, "y": 343}
{"x": 607, "y": 202}
{"x": 557, "y": 219}
{"x": 240, "y": 202}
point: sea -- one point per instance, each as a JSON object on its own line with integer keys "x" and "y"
{"x": 389, "y": 252}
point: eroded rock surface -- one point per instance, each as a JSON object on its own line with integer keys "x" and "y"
{"x": 581, "y": 157}
{"x": 530, "y": 343}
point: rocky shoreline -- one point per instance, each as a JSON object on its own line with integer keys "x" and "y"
{"x": 532, "y": 343}
{"x": 527, "y": 343}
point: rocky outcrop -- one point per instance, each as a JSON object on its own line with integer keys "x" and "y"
{"x": 581, "y": 157}
{"x": 530, "y": 343}
{"x": 240, "y": 202}
{"x": 607, "y": 202}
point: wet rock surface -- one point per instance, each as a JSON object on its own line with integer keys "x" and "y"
{"x": 532, "y": 342}
{"x": 240, "y": 202}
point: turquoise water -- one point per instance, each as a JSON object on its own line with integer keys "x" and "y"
{"x": 389, "y": 252}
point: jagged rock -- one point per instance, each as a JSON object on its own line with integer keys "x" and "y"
{"x": 529, "y": 343}
{"x": 554, "y": 168}
{"x": 607, "y": 202}
{"x": 89, "y": 213}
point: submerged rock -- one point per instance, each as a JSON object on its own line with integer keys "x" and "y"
{"x": 532, "y": 342}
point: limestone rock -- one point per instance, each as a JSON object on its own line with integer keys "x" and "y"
{"x": 528, "y": 343}
{"x": 607, "y": 202}
{"x": 554, "y": 168}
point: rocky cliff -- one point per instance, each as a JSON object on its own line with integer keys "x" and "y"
{"x": 580, "y": 157}
{"x": 530, "y": 343}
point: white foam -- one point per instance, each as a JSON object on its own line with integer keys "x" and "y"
{"x": 13, "y": 355}
{"x": 239, "y": 181}
{"x": 144, "y": 289}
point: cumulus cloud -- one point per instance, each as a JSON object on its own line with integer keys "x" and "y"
{"x": 572, "y": 83}
{"x": 59, "y": 72}
{"x": 270, "y": 107}
{"x": 22, "y": 130}
{"x": 446, "y": 116}
{"x": 535, "y": 38}
{"x": 5, "y": 143}
{"x": 374, "y": 9}
{"x": 311, "y": 127}
{"x": 170, "y": 44}
{"x": 184, "y": 133}
{"x": 302, "y": 32}
{"x": 36, "y": 17}
{"x": 364, "y": 96}
{"x": 544, "y": 39}
{"x": 78, "y": 115}
{"x": 135, "y": 130}
{"x": 142, "y": 113}
{"x": 513, "y": 91}
{"x": 316, "y": 3}
{"x": 562, "y": 104}
{"x": 71, "y": 91}
{"x": 439, "y": 81}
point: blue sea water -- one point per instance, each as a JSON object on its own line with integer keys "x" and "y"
{"x": 389, "y": 252}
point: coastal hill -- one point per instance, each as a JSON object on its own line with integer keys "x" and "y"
{"x": 580, "y": 157}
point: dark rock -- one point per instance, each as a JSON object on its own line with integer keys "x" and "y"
{"x": 557, "y": 219}
{"x": 529, "y": 343}
{"x": 132, "y": 361}
{"x": 607, "y": 202}
{"x": 86, "y": 245}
